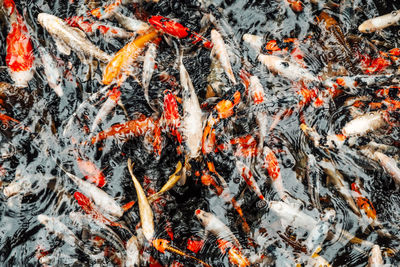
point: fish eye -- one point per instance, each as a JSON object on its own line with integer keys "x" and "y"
{"x": 285, "y": 64}
{"x": 394, "y": 13}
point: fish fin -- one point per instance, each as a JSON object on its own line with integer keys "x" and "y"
{"x": 80, "y": 32}
{"x": 63, "y": 47}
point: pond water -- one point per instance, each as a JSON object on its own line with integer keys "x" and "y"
{"x": 314, "y": 123}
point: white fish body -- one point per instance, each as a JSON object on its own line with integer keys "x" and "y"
{"x": 68, "y": 38}
{"x": 51, "y": 71}
{"x": 54, "y": 225}
{"x": 375, "y": 259}
{"x": 148, "y": 68}
{"x": 290, "y": 215}
{"x": 104, "y": 201}
{"x": 219, "y": 49}
{"x": 131, "y": 24}
{"x": 286, "y": 69}
{"x": 192, "y": 120}
{"x": 254, "y": 41}
{"x": 389, "y": 165}
{"x": 213, "y": 225}
{"x": 379, "y": 23}
{"x": 364, "y": 124}
{"x": 132, "y": 253}
{"x": 105, "y": 109}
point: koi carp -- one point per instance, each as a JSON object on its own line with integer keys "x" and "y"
{"x": 68, "y": 38}
{"x": 104, "y": 201}
{"x": 249, "y": 178}
{"x": 106, "y": 11}
{"x": 91, "y": 27}
{"x": 379, "y": 23}
{"x": 364, "y": 124}
{"x": 192, "y": 120}
{"x": 91, "y": 172}
{"x": 219, "y": 49}
{"x": 172, "y": 180}
{"x": 19, "y": 56}
{"x": 149, "y": 64}
{"x": 89, "y": 207}
{"x": 286, "y": 69}
{"x": 215, "y": 226}
{"x": 389, "y": 165}
{"x": 177, "y": 30}
{"x": 274, "y": 172}
{"x": 51, "y": 71}
{"x": 236, "y": 257}
{"x": 291, "y": 215}
{"x": 132, "y": 252}
{"x": 111, "y": 102}
{"x": 171, "y": 114}
{"x": 119, "y": 65}
{"x": 162, "y": 245}
{"x": 363, "y": 203}
{"x": 132, "y": 24}
{"x": 146, "y": 214}
{"x": 375, "y": 258}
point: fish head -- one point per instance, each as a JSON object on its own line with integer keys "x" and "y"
{"x": 169, "y": 26}
{"x": 43, "y": 219}
{"x": 48, "y": 21}
{"x": 203, "y": 217}
{"x": 160, "y": 244}
{"x": 367, "y": 27}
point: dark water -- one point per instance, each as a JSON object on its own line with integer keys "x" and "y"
{"x": 32, "y": 157}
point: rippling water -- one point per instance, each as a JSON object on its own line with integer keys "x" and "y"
{"x": 58, "y": 138}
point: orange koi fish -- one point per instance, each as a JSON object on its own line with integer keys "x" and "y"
{"x": 272, "y": 166}
{"x": 119, "y": 65}
{"x": 136, "y": 127}
{"x": 162, "y": 245}
{"x": 19, "y": 57}
{"x": 363, "y": 203}
{"x": 91, "y": 173}
{"x": 236, "y": 257}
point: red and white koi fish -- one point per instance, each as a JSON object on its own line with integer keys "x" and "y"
{"x": 91, "y": 172}
{"x": 103, "y": 200}
{"x": 286, "y": 69}
{"x": 219, "y": 50}
{"x": 272, "y": 166}
{"x": 19, "y": 56}
{"x": 145, "y": 211}
{"x": 119, "y": 66}
{"x": 111, "y": 102}
{"x": 171, "y": 115}
{"x": 90, "y": 208}
{"x": 177, "y": 30}
{"x": 215, "y": 226}
{"x": 249, "y": 178}
{"x": 192, "y": 119}
{"x": 68, "y": 38}
{"x": 90, "y": 28}
{"x": 317, "y": 235}
{"x": 379, "y": 23}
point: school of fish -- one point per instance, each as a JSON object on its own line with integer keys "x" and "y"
{"x": 153, "y": 139}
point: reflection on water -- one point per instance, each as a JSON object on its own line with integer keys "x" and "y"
{"x": 297, "y": 162}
